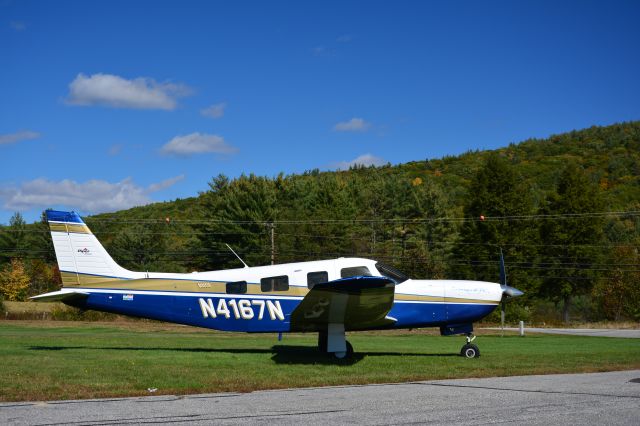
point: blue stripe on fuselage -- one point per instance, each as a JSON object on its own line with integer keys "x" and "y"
{"x": 423, "y": 314}
{"x": 229, "y": 316}
{"x": 245, "y": 316}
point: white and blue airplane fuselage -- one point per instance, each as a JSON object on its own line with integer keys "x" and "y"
{"x": 326, "y": 296}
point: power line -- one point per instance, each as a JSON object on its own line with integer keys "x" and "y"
{"x": 484, "y": 260}
{"x": 411, "y": 241}
{"x": 562, "y": 216}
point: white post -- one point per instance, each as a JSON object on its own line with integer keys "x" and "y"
{"x": 521, "y": 328}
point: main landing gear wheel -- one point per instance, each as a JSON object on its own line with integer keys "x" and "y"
{"x": 343, "y": 355}
{"x": 470, "y": 351}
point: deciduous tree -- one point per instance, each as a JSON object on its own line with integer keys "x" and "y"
{"x": 14, "y": 281}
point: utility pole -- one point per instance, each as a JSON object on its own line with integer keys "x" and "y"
{"x": 273, "y": 243}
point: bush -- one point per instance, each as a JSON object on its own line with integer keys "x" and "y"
{"x": 514, "y": 313}
{"x": 3, "y": 309}
{"x": 69, "y": 313}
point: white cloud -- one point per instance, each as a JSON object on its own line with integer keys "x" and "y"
{"x": 165, "y": 184}
{"x": 117, "y": 92}
{"x": 353, "y": 125}
{"x": 93, "y": 196}
{"x": 197, "y": 143}
{"x": 362, "y": 160}
{"x": 345, "y": 38}
{"x": 18, "y": 137}
{"x": 214, "y": 111}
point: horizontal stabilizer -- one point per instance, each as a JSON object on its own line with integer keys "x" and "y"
{"x": 60, "y": 296}
{"x": 359, "y": 303}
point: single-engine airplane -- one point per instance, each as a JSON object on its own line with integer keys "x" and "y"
{"x": 329, "y": 297}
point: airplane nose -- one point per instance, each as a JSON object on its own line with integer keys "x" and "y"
{"x": 511, "y": 291}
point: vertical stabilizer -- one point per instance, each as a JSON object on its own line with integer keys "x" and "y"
{"x": 81, "y": 258}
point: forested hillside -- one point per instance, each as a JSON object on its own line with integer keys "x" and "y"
{"x": 564, "y": 210}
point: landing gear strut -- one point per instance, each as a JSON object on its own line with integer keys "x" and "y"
{"x": 322, "y": 341}
{"x": 470, "y": 350}
{"x": 333, "y": 342}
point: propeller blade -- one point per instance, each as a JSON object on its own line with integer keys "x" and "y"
{"x": 506, "y": 290}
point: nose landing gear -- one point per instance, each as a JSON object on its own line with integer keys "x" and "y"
{"x": 470, "y": 350}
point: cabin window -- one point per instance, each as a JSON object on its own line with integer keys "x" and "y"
{"x": 237, "y": 287}
{"x": 314, "y": 278}
{"x": 391, "y": 272}
{"x": 355, "y": 271}
{"x": 280, "y": 283}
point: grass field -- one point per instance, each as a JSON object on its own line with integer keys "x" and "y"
{"x": 54, "y": 360}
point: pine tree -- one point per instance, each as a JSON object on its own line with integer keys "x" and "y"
{"x": 237, "y": 213}
{"x": 13, "y": 239}
{"x": 496, "y": 192}
{"x": 568, "y": 240}
{"x": 143, "y": 248}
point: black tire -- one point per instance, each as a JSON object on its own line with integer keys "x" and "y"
{"x": 343, "y": 355}
{"x": 322, "y": 341}
{"x": 349, "y": 349}
{"x": 470, "y": 351}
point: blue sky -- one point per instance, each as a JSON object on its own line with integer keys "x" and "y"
{"x": 106, "y": 105}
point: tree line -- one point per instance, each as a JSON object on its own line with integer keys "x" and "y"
{"x": 565, "y": 242}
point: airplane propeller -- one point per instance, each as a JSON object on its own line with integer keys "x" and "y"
{"x": 507, "y": 291}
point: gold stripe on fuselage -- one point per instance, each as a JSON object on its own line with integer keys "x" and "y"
{"x": 71, "y": 279}
{"x": 155, "y": 284}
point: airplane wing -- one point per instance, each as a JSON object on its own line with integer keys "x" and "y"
{"x": 357, "y": 302}
{"x": 60, "y": 296}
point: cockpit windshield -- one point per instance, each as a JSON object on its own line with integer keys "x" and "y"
{"x": 391, "y": 272}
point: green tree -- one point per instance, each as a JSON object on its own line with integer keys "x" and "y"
{"x": 618, "y": 294}
{"x": 497, "y": 197}
{"x": 39, "y": 240}
{"x": 568, "y": 240}
{"x": 413, "y": 237}
{"x": 143, "y": 248}
{"x": 313, "y": 211}
{"x": 238, "y": 213}
{"x": 13, "y": 239}
{"x": 43, "y": 277}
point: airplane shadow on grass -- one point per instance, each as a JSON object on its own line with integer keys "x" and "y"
{"x": 282, "y": 354}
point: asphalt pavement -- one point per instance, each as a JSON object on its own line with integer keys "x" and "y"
{"x": 587, "y": 399}
{"x": 594, "y": 332}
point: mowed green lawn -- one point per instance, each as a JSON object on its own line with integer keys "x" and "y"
{"x": 53, "y": 360}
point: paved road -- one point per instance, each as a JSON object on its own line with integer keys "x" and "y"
{"x": 589, "y": 399}
{"x": 600, "y": 332}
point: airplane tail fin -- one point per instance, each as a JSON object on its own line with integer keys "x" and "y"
{"x": 82, "y": 260}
